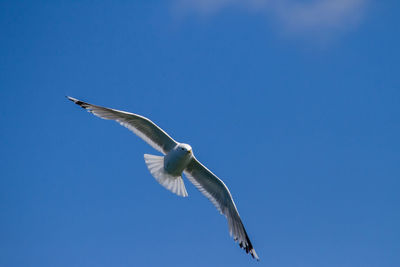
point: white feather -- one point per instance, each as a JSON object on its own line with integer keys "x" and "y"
{"x": 216, "y": 191}
{"x": 175, "y": 184}
{"x": 141, "y": 126}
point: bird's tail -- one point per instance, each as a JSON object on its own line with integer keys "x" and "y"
{"x": 175, "y": 184}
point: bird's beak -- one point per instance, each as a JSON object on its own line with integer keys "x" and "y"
{"x": 190, "y": 151}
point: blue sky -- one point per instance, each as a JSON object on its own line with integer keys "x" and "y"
{"x": 294, "y": 104}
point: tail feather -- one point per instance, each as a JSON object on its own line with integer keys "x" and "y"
{"x": 175, "y": 184}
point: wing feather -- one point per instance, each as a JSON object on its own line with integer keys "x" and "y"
{"x": 141, "y": 126}
{"x": 217, "y": 192}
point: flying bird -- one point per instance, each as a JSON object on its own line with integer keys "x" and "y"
{"x": 178, "y": 158}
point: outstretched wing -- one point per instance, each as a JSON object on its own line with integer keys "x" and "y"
{"x": 141, "y": 126}
{"x": 217, "y": 192}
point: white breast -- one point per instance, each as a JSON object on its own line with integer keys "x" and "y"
{"x": 177, "y": 160}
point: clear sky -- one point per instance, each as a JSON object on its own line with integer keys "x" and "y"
{"x": 294, "y": 104}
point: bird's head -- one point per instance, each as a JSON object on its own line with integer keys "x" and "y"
{"x": 185, "y": 147}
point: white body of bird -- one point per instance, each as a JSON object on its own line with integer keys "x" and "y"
{"x": 178, "y": 159}
{"x": 168, "y": 170}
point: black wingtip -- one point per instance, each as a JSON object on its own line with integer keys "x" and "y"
{"x": 78, "y": 102}
{"x": 248, "y": 247}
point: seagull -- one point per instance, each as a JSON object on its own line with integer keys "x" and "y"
{"x": 178, "y": 158}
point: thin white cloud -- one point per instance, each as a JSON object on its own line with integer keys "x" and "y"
{"x": 207, "y": 7}
{"x": 296, "y": 16}
{"x": 323, "y": 15}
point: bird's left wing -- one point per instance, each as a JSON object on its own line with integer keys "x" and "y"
{"x": 217, "y": 192}
{"x": 141, "y": 126}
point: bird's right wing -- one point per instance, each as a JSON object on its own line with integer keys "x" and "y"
{"x": 217, "y": 192}
{"x": 141, "y": 126}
